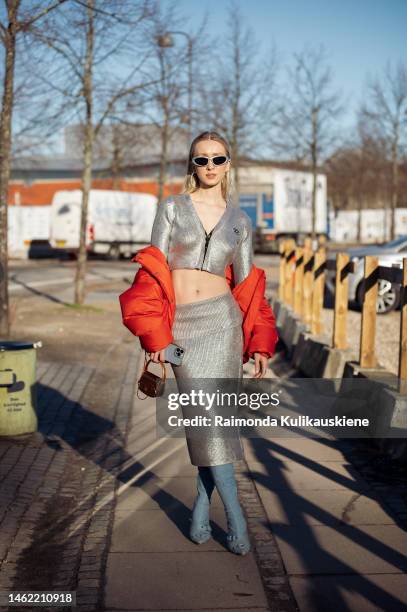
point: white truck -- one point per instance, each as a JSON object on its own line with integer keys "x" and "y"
{"x": 281, "y": 207}
{"x": 374, "y": 225}
{"x": 28, "y": 230}
{"x": 119, "y": 222}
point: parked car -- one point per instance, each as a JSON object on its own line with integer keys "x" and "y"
{"x": 389, "y": 254}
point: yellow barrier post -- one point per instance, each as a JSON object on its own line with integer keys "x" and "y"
{"x": 298, "y": 280}
{"x": 307, "y": 283}
{"x": 339, "y": 339}
{"x": 281, "y": 284}
{"x": 367, "y": 353}
{"x": 289, "y": 257}
{"x": 318, "y": 291}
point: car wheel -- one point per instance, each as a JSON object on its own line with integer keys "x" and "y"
{"x": 388, "y": 296}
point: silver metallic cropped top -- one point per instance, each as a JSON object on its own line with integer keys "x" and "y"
{"x": 178, "y": 232}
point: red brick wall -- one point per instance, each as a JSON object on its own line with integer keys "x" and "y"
{"x": 41, "y": 193}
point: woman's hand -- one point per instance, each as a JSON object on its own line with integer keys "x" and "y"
{"x": 157, "y": 356}
{"x": 260, "y": 363}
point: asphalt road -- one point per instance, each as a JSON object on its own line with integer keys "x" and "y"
{"x": 56, "y": 278}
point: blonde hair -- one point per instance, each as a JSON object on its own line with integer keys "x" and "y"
{"x": 191, "y": 182}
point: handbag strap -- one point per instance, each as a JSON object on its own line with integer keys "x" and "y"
{"x": 146, "y": 364}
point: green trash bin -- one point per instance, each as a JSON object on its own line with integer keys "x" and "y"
{"x": 17, "y": 388}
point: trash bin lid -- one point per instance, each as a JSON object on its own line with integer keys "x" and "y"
{"x": 15, "y": 346}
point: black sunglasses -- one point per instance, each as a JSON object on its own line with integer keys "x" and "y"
{"x": 203, "y": 160}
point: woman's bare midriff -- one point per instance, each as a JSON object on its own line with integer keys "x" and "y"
{"x": 195, "y": 285}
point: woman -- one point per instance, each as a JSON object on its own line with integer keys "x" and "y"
{"x": 200, "y": 233}
{"x": 201, "y": 247}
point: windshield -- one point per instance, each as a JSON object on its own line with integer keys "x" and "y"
{"x": 397, "y": 242}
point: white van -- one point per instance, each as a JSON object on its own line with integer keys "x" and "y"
{"x": 119, "y": 222}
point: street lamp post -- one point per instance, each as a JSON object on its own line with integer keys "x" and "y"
{"x": 165, "y": 40}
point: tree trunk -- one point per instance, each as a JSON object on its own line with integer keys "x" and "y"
{"x": 314, "y": 160}
{"x": 87, "y": 159}
{"x": 314, "y": 202}
{"x": 394, "y": 189}
{"x": 116, "y": 166}
{"x": 359, "y": 226}
{"x": 163, "y": 159}
{"x": 237, "y": 180}
{"x": 235, "y": 168}
{"x": 5, "y": 152}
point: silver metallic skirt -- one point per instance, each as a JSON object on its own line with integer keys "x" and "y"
{"x": 211, "y": 333}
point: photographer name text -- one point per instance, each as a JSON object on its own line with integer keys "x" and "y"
{"x": 267, "y": 421}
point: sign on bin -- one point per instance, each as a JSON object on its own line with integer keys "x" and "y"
{"x": 17, "y": 388}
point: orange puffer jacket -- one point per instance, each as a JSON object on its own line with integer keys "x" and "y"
{"x": 148, "y": 306}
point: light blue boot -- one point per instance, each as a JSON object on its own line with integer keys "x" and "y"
{"x": 200, "y": 530}
{"x": 238, "y": 538}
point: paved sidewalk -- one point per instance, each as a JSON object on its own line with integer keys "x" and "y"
{"x": 323, "y": 536}
{"x": 93, "y": 492}
{"x": 57, "y": 485}
{"x": 342, "y": 544}
{"x": 153, "y": 565}
{"x": 94, "y": 503}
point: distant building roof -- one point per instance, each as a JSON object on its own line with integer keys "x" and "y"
{"x": 57, "y": 163}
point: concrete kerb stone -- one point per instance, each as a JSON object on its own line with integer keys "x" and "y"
{"x": 273, "y": 301}
{"x": 314, "y": 358}
{"x": 393, "y": 405}
{"x": 378, "y": 374}
{"x": 300, "y": 349}
{"x": 389, "y": 408}
{"x": 309, "y": 354}
{"x": 335, "y": 361}
{"x": 312, "y": 362}
{"x": 292, "y": 328}
{"x": 280, "y": 311}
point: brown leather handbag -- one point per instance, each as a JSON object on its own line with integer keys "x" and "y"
{"x": 149, "y": 383}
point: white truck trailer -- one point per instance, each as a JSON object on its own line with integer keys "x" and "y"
{"x": 119, "y": 222}
{"x": 282, "y": 206}
{"x": 28, "y": 229}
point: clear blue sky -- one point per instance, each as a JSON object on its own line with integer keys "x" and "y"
{"x": 359, "y": 35}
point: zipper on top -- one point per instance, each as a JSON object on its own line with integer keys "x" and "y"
{"x": 207, "y": 238}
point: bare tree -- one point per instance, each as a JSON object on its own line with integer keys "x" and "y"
{"x": 238, "y": 93}
{"x": 386, "y": 110}
{"x": 94, "y": 45}
{"x": 305, "y": 126}
{"x": 17, "y": 19}
{"x": 168, "y": 104}
{"x": 369, "y": 170}
{"x": 357, "y": 173}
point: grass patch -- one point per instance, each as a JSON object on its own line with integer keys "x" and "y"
{"x": 83, "y": 307}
